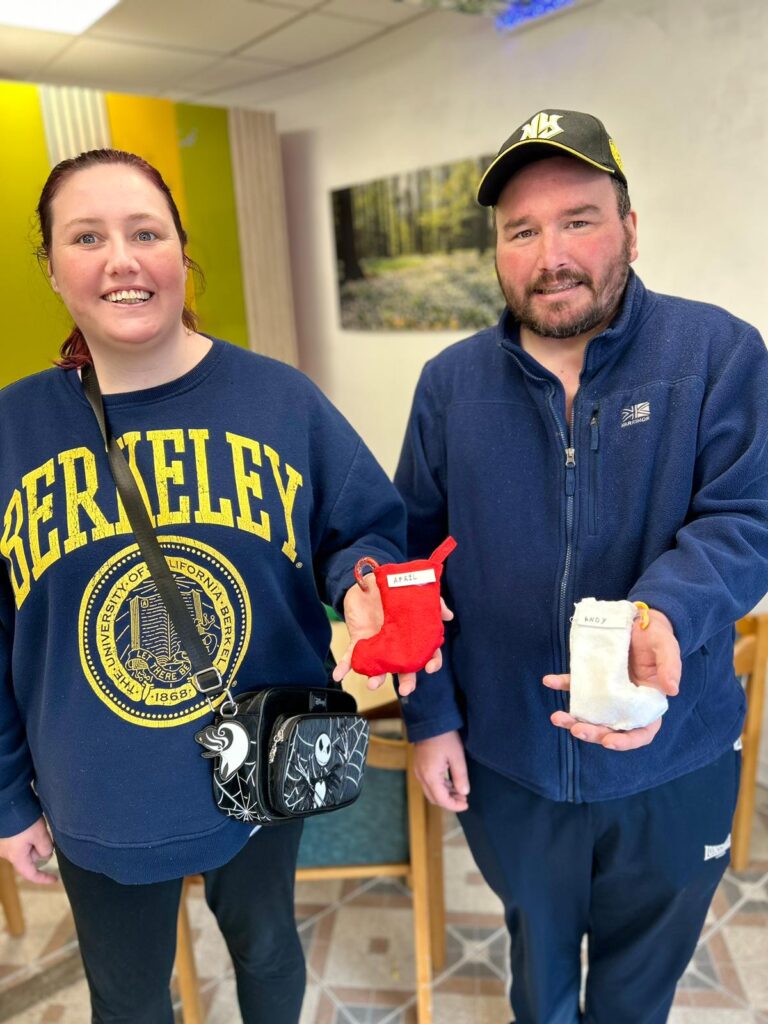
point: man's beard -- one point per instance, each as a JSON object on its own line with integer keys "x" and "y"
{"x": 605, "y": 300}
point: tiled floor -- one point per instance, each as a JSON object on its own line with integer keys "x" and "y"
{"x": 358, "y": 941}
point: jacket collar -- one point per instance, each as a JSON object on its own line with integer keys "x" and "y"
{"x": 604, "y": 348}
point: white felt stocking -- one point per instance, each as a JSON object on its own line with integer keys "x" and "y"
{"x": 601, "y": 690}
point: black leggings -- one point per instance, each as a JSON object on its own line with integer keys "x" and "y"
{"x": 127, "y": 934}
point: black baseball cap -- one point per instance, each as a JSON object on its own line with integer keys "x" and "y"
{"x": 567, "y": 132}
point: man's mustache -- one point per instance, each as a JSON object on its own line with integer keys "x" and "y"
{"x": 557, "y": 278}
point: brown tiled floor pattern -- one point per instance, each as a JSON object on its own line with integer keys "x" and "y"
{"x": 358, "y": 941}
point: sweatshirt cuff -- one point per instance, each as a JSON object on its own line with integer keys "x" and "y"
{"x": 19, "y": 814}
{"x": 337, "y": 590}
{"x": 337, "y": 585}
{"x": 425, "y": 730}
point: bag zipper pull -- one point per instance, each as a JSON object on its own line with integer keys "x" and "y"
{"x": 276, "y": 742}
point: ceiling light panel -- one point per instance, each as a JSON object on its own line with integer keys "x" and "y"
{"x": 53, "y": 15}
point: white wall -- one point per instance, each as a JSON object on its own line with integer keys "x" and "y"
{"x": 681, "y": 84}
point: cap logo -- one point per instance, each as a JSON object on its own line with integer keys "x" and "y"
{"x": 616, "y": 155}
{"x": 543, "y": 126}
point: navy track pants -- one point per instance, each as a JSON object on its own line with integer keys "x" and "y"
{"x": 635, "y": 875}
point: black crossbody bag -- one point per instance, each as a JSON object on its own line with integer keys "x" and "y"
{"x": 282, "y": 752}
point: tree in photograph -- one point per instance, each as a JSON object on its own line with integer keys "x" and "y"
{"x": 346, "y": 247}
{"x": 450, "y": 215}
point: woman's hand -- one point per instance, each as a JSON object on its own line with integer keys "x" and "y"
{"x": 28, "y": 850}
{"x": 364, "y": 616}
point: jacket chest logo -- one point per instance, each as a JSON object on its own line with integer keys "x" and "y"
{"x": 634, "y": 414}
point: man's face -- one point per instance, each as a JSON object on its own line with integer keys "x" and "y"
{"x": 562, "y": 251}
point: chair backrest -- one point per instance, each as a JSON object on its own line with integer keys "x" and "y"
{"x": 374, "y": 829}
{"x": 750, "y": 652}
{"x": 744, "y": 655}
{"x": 750, "y": 655}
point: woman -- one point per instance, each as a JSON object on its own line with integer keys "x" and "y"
{"x": 263, "y": 498}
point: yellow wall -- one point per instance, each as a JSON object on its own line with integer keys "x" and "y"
{"x": 33, "y": 324}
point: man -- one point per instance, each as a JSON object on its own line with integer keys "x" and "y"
{"x": 601, "y": 441}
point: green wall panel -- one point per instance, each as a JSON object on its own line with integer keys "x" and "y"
{"x": 35, "y": 323}
{"x": 212, "y": 219}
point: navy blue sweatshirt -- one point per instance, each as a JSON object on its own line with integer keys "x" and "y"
{"x": 263, "y": 499}
{"x": 658, "y": 492}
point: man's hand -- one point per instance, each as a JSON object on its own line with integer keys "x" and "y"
{"x": 441, "y": 768}
{"x": 654, "y": 660}
{"x": 27, "y": 850}
{"x": 364, "y": 616}
{"x": 654, "y": 655}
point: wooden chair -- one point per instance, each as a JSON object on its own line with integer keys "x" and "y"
{"x": 749, "y": 661}
{"x": 357, "y": 842}
{"x": 185, "y": 968}
{"x": 9, "y": 899}
{"x": 368, "y": 830}
{"x": 359, "y": 828}
{"x": 421, "y": 857}
{"x": 185, "y": 965}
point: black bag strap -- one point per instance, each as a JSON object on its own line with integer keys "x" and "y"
{"x": 205, "y": 676}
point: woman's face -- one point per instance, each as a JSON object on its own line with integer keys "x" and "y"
{"x": 116, "y": 259}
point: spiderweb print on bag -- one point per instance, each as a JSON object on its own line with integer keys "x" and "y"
{"x": 325, "y": 762}
{"x": 235, "y": 797}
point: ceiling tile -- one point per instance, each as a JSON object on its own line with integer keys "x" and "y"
{"x": 385, "y": 12}
{"x": 311, "y": 38}
{"x": 23, "y": 51}
{"x": 225, "y": 74}
{"x": 179, "y": 46}
{"x": 193, "y": 24}
{"x": 300, "y": 5}
{"x": 242, "y": 96}
{"x": 120, "y": 67}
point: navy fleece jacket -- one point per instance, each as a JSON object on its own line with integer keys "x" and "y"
{"x": 658, "y": 492}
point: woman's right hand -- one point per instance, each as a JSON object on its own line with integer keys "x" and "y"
{"x": 28, "y": 849}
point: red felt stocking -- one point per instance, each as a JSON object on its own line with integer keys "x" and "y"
{"x": 413, "y": 626}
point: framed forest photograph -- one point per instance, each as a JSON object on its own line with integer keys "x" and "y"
{"x": 415, "y": 251}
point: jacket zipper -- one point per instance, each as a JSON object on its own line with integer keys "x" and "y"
{"x": 566, "y": 439}
{"x": 594, "y": 444}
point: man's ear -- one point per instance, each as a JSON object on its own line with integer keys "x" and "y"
{"x": 632, "y": 232}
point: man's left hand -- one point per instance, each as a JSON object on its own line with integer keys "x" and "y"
{"x": 654, "y": 660}
{"x": 364, "y": 616}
